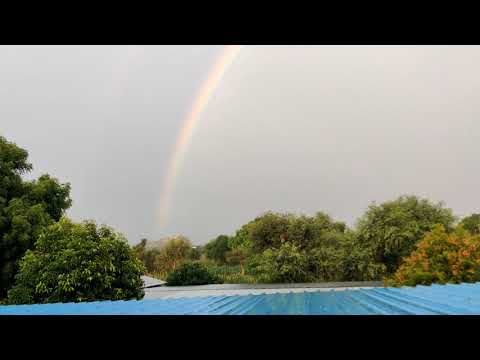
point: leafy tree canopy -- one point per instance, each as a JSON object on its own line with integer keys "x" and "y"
{"x": 78, "y": 262}
{"x": 284, "y": 264}
{"x": 217, "y": 248}
{"x": 392, "y": 229}
{"x": 174, "y": 252}
{"x": 26, "y": 207}
{"x": 441, "y": 257}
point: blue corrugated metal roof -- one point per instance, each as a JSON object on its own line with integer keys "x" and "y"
{"x": 420, "y": 300}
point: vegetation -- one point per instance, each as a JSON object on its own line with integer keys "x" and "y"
{"x": 277, "y": 247}
{"x": 441, "y": 257}
{"x": 217, "y": 249}
{"x": 392, "y": 229}
{"x": 191, "y": 274}
{"x": 44, "y": 257}
{"x": 78, "y": 262}
{"x": 472, "y": 224}
{"x": 26, "y": 208}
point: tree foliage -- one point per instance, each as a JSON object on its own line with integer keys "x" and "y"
{"x": 217, "y": 248}
{"x": 236, "y": 257}
{"x": 287, "y": 263}
{"x": 441, "y": 257}
{"x": 146, "y": 256}
{"x": 392, "y": 229}
{"x": 174, "y": 252}
{"x": 472, "y": 223}
{"x": 191, "y": 274}
{"x": 26, "y": 207}
{"x": 78, "y": 262}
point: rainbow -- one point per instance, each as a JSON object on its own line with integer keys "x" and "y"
{"x": 189, "y": 124}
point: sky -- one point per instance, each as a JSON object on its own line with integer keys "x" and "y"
{"x": 287, "y": 128}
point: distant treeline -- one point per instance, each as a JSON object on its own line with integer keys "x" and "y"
{"x": 409, "y": 240}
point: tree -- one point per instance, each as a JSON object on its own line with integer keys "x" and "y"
{"x": 392, "y": 229}
{"x": 146, "y": 256}
{"x": 26, "y": 207}
{"x": 217, "y": 248}
{"x": 172, "y": 254}
{"x": 236, "y": 257}
{"x": 268, "y": 231}
{"x": 284, "y": 264}
{"x": 358, "y": 261}
{"x": 195, "y": 253}
{"x": 78, "y": 262}
{"x": 241, "y": 239}
{"x": 441, "y": 257}
{"x": 472, "y": 223}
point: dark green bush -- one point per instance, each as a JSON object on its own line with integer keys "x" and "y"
{"x": 192, "y": 274}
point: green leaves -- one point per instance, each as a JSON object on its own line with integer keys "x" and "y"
{"x": 216, "y": 249}
{"x": 191, "y": 274}
{"x": 78, "y": 262}
{"x": 26, "y": 208}
{"x": 393, "y": 228}
{"x": 441, "y": 257}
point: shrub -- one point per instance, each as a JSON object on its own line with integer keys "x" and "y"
{"x": 441, "y": 257}
{"x": 191, "y": 274}
{"x": 78, "y": 262}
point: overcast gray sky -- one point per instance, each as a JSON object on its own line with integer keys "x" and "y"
{"x": 289, "y": 128}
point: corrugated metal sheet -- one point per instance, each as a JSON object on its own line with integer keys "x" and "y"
{"x": 420, "y": 300}
{"x": 149, "y": 282}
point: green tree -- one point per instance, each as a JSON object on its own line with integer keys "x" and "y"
{"x": 146, "y": 256}
{"x": 392, "y": 229}
{"x": 217, "y": 248}
{"x": 358, "y": 261}
{"x": 236, "y": 257}
{"x": 441, "y": 257}
{"x": 195, "y": 253}
{"x": 284, "y": 264}
{"x": 174, "y": 252}
{"x": 472, "y": 223}
{"x": 26, "y": 207}
{"x": 268, "y": 231}
{"x": 78, "y": 262}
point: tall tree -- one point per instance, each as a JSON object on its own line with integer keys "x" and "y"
{"x": 26, "y": 207}
{"x": 175, "y": 251}
{"x": 392, "y": 229}
{"x": 217, "y": 248}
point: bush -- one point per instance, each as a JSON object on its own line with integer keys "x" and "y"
{"x": 192, "y": 274}
{"x": 78, "y": 262}
{"x": 441, "y": 257}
